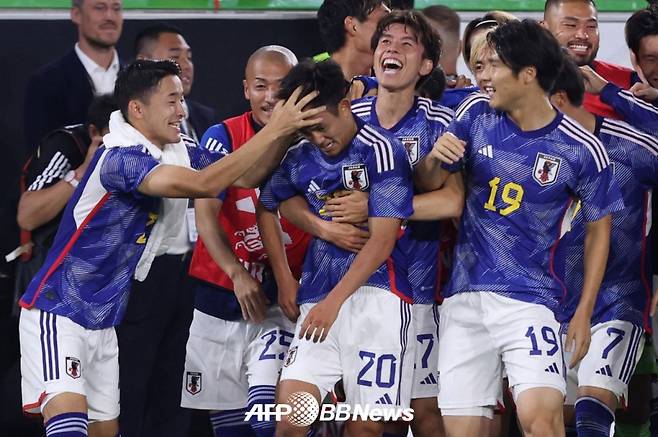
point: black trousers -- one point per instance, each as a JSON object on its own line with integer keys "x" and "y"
{"x": 152, "y": 339}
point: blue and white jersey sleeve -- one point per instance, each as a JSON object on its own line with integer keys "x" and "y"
{"x": 216, "y": 139}
{"x": 125, "y": 168}
{"x": 278, "y": 187}
{"x": 596, "y": 186}
{"x": 201, "y": 158}
{"x": 636, "y": 112}
{"x": 391, "y": 194}
{"x": 460, "y": 126}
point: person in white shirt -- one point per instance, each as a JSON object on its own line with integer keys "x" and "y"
{"x": 59, "y": 93}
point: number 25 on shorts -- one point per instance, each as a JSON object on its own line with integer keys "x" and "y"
{"x": 512, "y": 195}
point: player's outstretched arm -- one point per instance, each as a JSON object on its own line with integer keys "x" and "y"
{"x": 597, "y": 245}
{"x": 444, "y": 203}
{"x": 429, "y": 174}
{"x": 176, "y": 181}
{"x": 251, "y": 298}
{"x": 343, "y": 235}
{"x": 272, "y": 236}
{"x": 383, "y": 235}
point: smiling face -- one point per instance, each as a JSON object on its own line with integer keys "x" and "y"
{"x": 261, "y": 84}
{"x": 161, "y": 112}
{"x": 481, "y": 60}
{"x": 399, "y": 60}
{"x": 173, "y": 46}
{"x": 99, "y": 21}
{"x": 505, "y": 87}
{"x": 575, "y": 25}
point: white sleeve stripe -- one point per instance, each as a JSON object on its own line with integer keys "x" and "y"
{"x": 593, "y": 143}
{"x": 383, "y": 149}
{"x": 600, "y": 163}
{"x": 56, "y": 168}
{"x": 361, "y": 105}
{"x": 468, "y": 103}
{"x": 622, "y": 131}
{"x": 627, "y": 128}
{"x": 631, "y": 98}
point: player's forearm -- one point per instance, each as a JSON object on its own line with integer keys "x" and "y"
{"x": 445, "y": 203}
{"x": 428, "y": 174}
{"x": 220, "y": 175}
{"x": 214, "y": 238}
{"x": 271, "y": 235}
{"x": 297, "y": 211}
{"x": 37, "y": 208}
{"x": 260, "y": 170}
{"x": 597, "y": 245}
{"x": 635, "y": 111}
{"x": 384, "y": 233}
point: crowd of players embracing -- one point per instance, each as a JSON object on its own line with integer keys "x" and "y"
{"x": 376, "y": 240}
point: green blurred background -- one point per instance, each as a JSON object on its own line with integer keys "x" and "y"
{"x": 462, "y": 5}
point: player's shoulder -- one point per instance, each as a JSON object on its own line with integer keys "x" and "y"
{"x": 573, "y": 133}
{"x": 474, "y": 104}
{"x": 382, "y": 146}
{"x": 625, "y": 131}
{"x": 300, "y": 149}
{"x": 363, "y": 106}
{"x": 432, "y": 110}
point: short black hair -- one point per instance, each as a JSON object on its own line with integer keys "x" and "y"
{"x": 526, "y": 43}
{"x": 571, "y": 81}
{"x": 488, "y": 21}
{"x": 447, "y": 18}
{"x": 642, "y": 23}
{"x": 551, "y": 3}
{"x": 331, "y": 19}
{"x": 139, "y": 79}
{"x": 325, "y": 77}
{"x": 433, "y": 85}
{"x": 99, "y": 111}
{"x": 150, "y": 34}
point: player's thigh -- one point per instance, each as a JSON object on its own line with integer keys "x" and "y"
{"x": 528, "y": 337}
{"x": 609, "y": 364}
{"x": 106, "y": 428}
{"x": 426, "y": 337}
{"x": 267, "y": 349}
{"x": 540, "y": 411}
{"x": 214, "y": 377}
{"x": 470, "y": 371}
{"x": 317, "y": 364}
{"x": 377, "y": 348}
{"x": 102, "y": 376}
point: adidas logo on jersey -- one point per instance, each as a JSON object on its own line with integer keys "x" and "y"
{"x": 486, "y": 151}
{"x": 429, "y": 380}
{"x": 385, "y": 400}
{"x": 312, "y": 187}
{"x": 605, "y": 370}
{"x": 552, "y": 369}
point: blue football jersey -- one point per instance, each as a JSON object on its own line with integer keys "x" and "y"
{"x": 519, "y": 186}
{"x": 626, "y": 287}
{"x": 375, "y": 162}
{"x": 418, "y": 130}
{"x": 104, "y": 228}
{"x": 636, "y": 112}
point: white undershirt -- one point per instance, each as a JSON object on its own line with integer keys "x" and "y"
{"x": 102, "y": 79}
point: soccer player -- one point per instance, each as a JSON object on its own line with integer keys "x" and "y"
{"x": 355, "y": 320}
{"x": 575, "y": 25}
{"x": 406, "y": 50}
{"x": 621, "y": 313}
{"x": 69, "y": 356}
{"x": 238, "y": 335}
{"x": 523, "y": 162}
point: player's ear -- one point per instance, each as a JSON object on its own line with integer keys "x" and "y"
{"x": 426, "y": 67}
{"x": 135, "y": 110}
{"x": 245, "y": 88}
{"x": 529, "y": 74}
{"x": 349, "y": 24}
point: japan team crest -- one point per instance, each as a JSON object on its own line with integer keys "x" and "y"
{"x": 546, "y": 169}
{"x": 73, "y": 367}
{"x": 355, "y": 177}
{"x": 411, "y": 146}
{"x": 193, "y": 382}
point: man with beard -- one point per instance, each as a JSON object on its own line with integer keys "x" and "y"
{"x": 575, "y": 25}
{"x": 59, "y": 93}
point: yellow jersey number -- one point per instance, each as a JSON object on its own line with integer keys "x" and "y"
{"x": 512, "y": 195}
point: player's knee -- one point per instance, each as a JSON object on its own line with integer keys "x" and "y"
{"x": 540, "y": 412}
{"x": 603, "y": 395}
{"x": 427, "y": 418}
{"x": 105, "y": 428}
{"x": 66, "y": 402}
